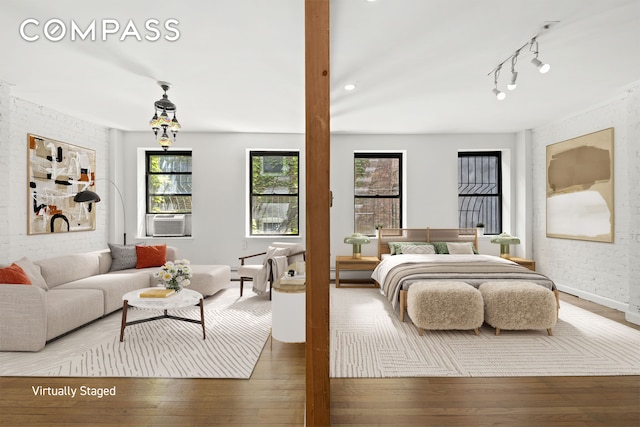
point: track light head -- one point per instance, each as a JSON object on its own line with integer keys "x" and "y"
{"x": 542, "y": 67}
{"x": 512, "y": 83}
{"x": 500, "y": 95}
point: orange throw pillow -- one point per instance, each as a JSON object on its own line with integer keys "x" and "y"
{"x": 14, "y": 275}
{"x": 151, "y": 256}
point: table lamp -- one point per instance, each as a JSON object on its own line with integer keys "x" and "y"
{"x": 504, "y": 240}
{"x": 357, "y": 240}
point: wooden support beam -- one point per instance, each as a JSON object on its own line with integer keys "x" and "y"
{"x": 317, "y": 155}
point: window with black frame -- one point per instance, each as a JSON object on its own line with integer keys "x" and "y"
{"x": 377, "y": 191}
{"x": 480, "y": 190}
{"x": 274, "y": 199}
{"x": 168, "y": 182}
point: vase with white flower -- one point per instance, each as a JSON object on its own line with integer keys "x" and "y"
{"x": 175, "y": 274}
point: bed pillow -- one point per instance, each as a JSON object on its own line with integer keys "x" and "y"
{"x": 394, "y": 247}
{"x": 14, "y": 275}
{"x": 417, "y": 249}
{"x": 151, "y": 256}
{"x": 33, "y": 272}
{"x": 460, "y": 248}
{"x": 123, "y": 257}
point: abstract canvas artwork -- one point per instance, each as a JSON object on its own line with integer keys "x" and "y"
{"x": 57, "y": 172}
{"x": 580, "y": 188}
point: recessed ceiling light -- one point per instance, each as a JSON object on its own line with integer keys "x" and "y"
{"x": 349, "y": 87}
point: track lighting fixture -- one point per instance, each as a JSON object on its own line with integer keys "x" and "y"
{"x": 533, "y": 48}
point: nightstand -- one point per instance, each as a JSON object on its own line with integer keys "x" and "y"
{"x": 359, "y": 264}
{"x": 530, "y": 264}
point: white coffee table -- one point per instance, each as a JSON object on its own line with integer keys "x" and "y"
{"x": 182, "y": 299}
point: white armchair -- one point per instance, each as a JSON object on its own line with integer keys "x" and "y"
{"x": 268, "y": 271}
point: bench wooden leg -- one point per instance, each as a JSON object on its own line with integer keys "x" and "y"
{"x": 476, "y": 331}
{"x": 497, "y": 331}
{"x": 403, "y": 304}
{"x": 549, "y": 332}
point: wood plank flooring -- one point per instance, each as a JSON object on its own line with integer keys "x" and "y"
{"x": 275, "y": 394}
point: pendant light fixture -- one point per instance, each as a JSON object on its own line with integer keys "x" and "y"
{"x": 162, "y": 122}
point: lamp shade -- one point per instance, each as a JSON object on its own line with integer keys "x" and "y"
{"x": 504, "y": 240}
{"x": 357, "y": 240}
{"x": 86, "y": 196}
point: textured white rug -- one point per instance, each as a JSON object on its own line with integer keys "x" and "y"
{"x": 368, "y": 340}
{"x": 237, "y": 329}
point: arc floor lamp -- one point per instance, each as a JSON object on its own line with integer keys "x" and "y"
{"x": 88, "y": 196}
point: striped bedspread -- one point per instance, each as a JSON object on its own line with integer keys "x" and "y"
{"x": 400, "y": 271}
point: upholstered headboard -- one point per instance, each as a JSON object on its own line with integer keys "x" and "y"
{"x": 387, "y": 235}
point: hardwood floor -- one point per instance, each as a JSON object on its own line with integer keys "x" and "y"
{"x": 274, "y": 396}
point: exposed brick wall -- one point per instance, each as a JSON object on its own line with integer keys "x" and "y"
{"x": 26, "y": 117}
{"x": 607, "y": 273}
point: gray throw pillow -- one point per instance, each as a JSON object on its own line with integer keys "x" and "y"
{"x": 122, "y": 257}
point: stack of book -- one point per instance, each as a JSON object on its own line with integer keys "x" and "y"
{"x": 157, "y": 293}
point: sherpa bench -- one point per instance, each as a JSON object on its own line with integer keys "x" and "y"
{"x": 445, "y": 305}
{"x": 518, "y": 306}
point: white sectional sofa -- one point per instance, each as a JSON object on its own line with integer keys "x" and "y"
{"x": 71, "y": 290}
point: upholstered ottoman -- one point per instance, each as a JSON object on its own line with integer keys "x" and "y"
{"x": 518, "y": 306}
{"x": 444, "y": 305}
{"x": 209, "y": 279}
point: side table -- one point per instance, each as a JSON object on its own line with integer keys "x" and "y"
{"x": 358, "y": 264}
{"x": 288, "y": 308}
{"x": 529, "y": 263}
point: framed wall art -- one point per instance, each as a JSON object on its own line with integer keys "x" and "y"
{"x": 57, "y": 171}
{"x": 580, "y": 188}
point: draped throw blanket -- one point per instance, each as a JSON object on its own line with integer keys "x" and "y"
{"x": 274, "y": 267}
{"x": 400, "y": 271}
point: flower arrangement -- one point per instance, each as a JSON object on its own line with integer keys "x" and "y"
{"x": 175, "y": 274}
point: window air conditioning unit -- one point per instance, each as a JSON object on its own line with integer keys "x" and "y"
{"x": 168, "y": 225}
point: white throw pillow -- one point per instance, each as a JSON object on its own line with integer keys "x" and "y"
{"x": 463, "y": 248}
{"x": 33, "y": 272}
{"x": 417, "y": 249}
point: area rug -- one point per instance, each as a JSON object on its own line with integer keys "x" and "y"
{"x": 368, "y": 340}
{"x": 236, "y": 331}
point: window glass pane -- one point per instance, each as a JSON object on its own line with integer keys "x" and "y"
{"x": 169, "y": 184}
{"x": 169, "y": 163}
{"x": 274, "y": 199}
{"x": 169, "y": 204}
{"x": 377, "y": 176}
{"x": 378, "y": 191}
{"x": 274, "y": 215}
{"x": 479, "y": 191}
{"x": 370, "y": 213}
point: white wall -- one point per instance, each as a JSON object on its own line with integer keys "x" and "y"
{"x": 608, "y": 273}
{"x": 17, "y": 118}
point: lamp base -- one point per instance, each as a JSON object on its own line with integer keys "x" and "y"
{"x": 504, "y": 251}
{"x": 357, "y": 255}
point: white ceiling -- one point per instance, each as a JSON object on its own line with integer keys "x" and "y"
{"x": 420, "y": 66}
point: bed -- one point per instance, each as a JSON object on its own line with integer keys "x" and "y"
{"x": 397, "y": 271}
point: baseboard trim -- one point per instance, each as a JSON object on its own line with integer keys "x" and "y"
{"x": 616, "y": 305}
{"x": 632, "y": 317}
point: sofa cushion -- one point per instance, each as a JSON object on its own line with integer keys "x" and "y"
{"x": 151, "y": 256}
{"x": 113, "y": 286}
{"x": 67, "y": 268}
{"x": 122, "y": 256}
{"x": 33, "y": 271}
{"x": 69, "y": 309}
{"x": 14, "y": 275}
